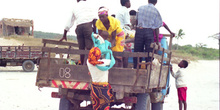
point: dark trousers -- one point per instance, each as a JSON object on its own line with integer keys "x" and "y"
{"x": 143, "y": 38}
{"x": 84, "y": 32}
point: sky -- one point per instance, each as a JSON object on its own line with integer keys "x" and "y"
{"x": 198, "y": 18}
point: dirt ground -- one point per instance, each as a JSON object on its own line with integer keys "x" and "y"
{"x": 9, "y": 42}
{"x": 203, "y": 87}
{"x": 18, "y": 90}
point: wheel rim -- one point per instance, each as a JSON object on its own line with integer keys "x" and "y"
{"x": 28, "y": 66}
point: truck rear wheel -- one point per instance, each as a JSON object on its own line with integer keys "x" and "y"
{"x": 143, "y": 102}
{"x": 157, "y": 106}
{"x": 65, "y": 104}
{"x": 28, "y": 65}
{"x": 148, "y": 103}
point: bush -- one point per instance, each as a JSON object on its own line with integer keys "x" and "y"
{"x": 197, "y": 52}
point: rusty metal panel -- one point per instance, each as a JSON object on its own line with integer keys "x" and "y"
{"x": 127, "y": 76}
{"x": 69, "y": 72}
{"x": 164, "y": 75}
{"x": 154, "y": 78}
{"x": 42, "y": 70}
{"x": 127, "y": 89}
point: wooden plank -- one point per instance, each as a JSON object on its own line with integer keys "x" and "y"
{"x": 155, "y": 76}
{"x": 120, "y": 76}
{"x": 0, "y": 52}
{"x": 167, "y": 35}
{"x": 159, "y": 57}
{"x": 15, "y": 52}
{"x": 130, "y": 54}
{"x": 117, "y": 76}
{"x": 127, "y": 76}
{"x": 127, "y": 89}
{"x": 161, "y": 48}
{"x": 59, "y": 42}
{"x": 69, "y": 72}
{"x": 77, "y": 51}
{"x": 67, "y": 51}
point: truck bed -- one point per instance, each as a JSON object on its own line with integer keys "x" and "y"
{"x": 53, "y": 72}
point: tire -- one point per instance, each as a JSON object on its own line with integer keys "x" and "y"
{"x": 28, "y": 66}
{"x": 157, "y": 106}
{"x": 143, "y": 102}
{"x": 65, "y": 104}
{"x": 148, "y": 103}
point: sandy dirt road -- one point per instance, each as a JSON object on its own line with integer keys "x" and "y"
{"x": 203, "y": 87}
{"x": 18, "y": 90}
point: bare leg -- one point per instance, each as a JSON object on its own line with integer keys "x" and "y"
{"x": 185, "y": 105}
{"x": 180, "y": 105}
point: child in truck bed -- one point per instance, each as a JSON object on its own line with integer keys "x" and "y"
{"x": 100, "y": 41}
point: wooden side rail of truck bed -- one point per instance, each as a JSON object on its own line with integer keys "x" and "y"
{"x": 53, "y": 72}
{"x": 18, "y": 52}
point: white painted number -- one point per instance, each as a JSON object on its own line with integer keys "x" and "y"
{"x": 65, "y": 73}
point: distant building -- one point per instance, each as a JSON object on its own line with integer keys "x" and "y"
{"x": 16, "y": 27}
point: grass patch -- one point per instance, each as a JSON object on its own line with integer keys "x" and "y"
{"x": 177, "y": 56}
{"x": 30, "y": 40}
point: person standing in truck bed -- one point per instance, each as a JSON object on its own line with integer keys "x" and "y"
{"x": 148, "y": 22}
{"x": 84, "y": 15}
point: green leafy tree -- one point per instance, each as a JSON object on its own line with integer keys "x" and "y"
{"x": 179, "y": 36}
{"x": 201, "y": 45}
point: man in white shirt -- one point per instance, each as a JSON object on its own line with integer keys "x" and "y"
{"x": 84, "y": 15}
{"x": 123, "y": 14}
{"x": 124, "y": 17}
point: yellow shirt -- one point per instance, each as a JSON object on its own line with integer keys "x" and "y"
{"x": 114, "y": 25}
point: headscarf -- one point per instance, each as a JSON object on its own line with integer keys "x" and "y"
{"x": 103, "y": 11}
{"x": 94, "y": 56}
